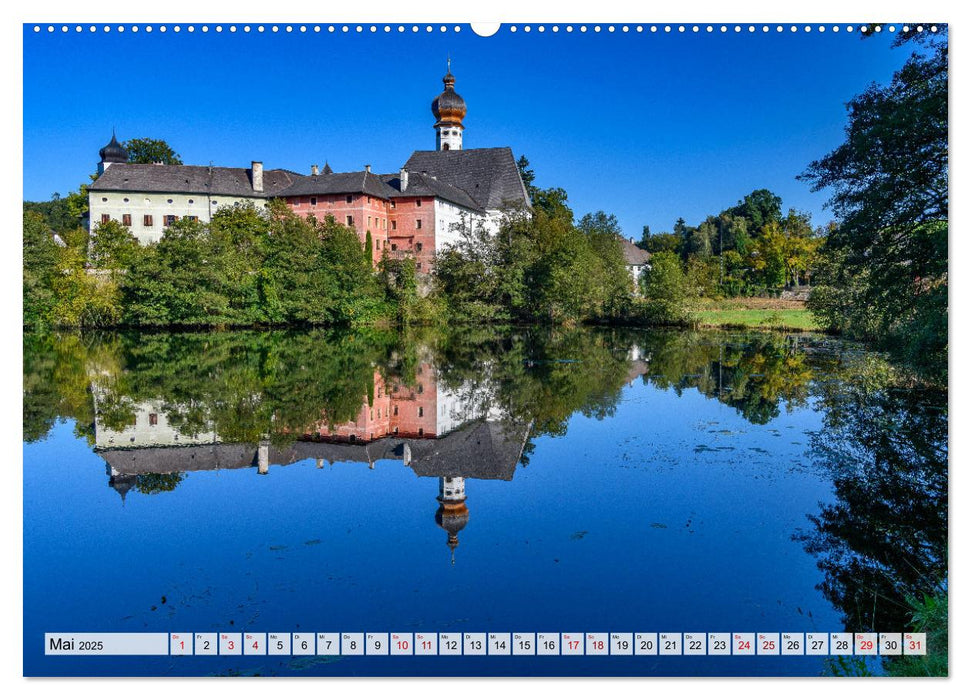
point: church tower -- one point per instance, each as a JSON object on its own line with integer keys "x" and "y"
{"x": 449, "y": 110}
{"x": 114, "y": 152}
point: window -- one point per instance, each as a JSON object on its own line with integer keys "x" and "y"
{"x": 418, "y": 246}
{"x": 418, "y": 223}
{"x": 126, "y": 200}
{"x": 369, "y": 222}
{"x": 153, "y": 419}
{"x": 393, "y": 205}
{"x": 170, "y": 219}
{"x": 192, "y": 218}
{"x": 421, "y": 389}
{"x": 377, "y": 245}
{"x": 126, "y": 219}
{"x": 421, "y": 431}
{"x": 394, "y": 225}
{"x": 214, "y": 202}
{"x": 368, "y": 200}
{"x": 147, "y": 220}
{"x": 313, "y": 201}
{"x": 169, "y": 201}
{"x": 417, "y": 202}
{"x": 104, "y": 199}
{"x": 394, "y": 246}
{"x": 418, "y": 265}
{"x": 396, "y": 410}
{"x": 350, "y": 198}
{"x": 350, "y": 220}
{"x": 191, "y": 201}
{"x": 421, "y": 412}
{"x": 105, "y": 218}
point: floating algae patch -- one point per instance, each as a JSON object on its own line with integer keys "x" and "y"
{"x": 312, "y": 542}
{"x": 659, "y": 526}
{"x": 705, "y": 448}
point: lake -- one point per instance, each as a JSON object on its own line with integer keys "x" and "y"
{"x": 474, "y": 480}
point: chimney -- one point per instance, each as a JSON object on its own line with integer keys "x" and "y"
{"x": 367, "y": 168}
{"x": 313, "y": 170}
{"x": 403, "y": 178}
{"x": 257, "y": 176}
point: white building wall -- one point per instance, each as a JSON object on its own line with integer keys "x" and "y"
{"x": 456, "y": 407}
{"x": 451, "y": 219}
{"x": 150, "y": 429}
{"x": 158, "y": 205}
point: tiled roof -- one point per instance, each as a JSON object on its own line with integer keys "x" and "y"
{"x": 632, "y": 254}
{"x": 427, "y": 186}
{"x": 480, "y": 449}
{"x": 190, "y": 179}
{"x": 488, "y": 175}
{"x": 361, "y": 181}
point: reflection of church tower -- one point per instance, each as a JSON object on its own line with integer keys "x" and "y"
{"x": 122, "y": 483}
{"x": 452, "y": 514}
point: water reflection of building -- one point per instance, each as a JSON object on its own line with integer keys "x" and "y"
{"x": 447, "y": 433}
{"x": 484, "y": 449}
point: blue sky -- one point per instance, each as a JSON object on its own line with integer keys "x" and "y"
{"x": 647, "y": 126}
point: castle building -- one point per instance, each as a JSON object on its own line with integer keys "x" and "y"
{"x": 414, "y": 212}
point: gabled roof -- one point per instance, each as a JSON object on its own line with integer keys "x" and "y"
{"x": 360, "y": 181}
{"x": 427, "y": 186}
{"x": 632, "y": 254}
{"x": 190, "y": 179}
{"x": 480, "y": 449}
{"x": 488, "y": 175}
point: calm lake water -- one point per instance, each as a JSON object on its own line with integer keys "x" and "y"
{"x": 612, "y": 480}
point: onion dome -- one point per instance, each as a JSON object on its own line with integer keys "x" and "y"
{"x": 449, "y": 107}
{"x": 452, "y": 517}
{"x": 114, "y": 152}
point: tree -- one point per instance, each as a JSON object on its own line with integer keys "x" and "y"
{"x": 39, "y": 270}
{"x": 553, "y": 201}
{"x": 666, "y": 290}
{"x": 611, "y": 281}
{"x": 112, "y": 246}
{"x": 151, "y": 151}
{"x": 759, "y": 208}
{"x": 657, "y": 242}
{"x": 527, "y": 175}
{"x": 886, "y": 260}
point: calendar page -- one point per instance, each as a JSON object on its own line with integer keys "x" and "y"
{"x": 436, "y": 349}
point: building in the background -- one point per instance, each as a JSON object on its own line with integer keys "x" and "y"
{"x": 147, "y": 198}
{"x": 636, "y": 259}
{"x": 414, "y": 212}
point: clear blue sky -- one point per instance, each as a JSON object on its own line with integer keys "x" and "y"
{"x": 649, "y": 127}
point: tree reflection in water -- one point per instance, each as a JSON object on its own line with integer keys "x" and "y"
{"x": 884, "y": 540}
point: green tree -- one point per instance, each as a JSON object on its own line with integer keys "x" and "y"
{"x": 113, "y": 247}
{"x": 885, "y": 271}
{"x": 527, "y": 174}
{"x": 611, "y": 283}
{"x": 39, "y": 270}
{"x": 759, "y": 208}
{"x": 151, "y": 151}
{"x": 666, "y": 290}
{"x": 553, "y": 202}
{"x": 657, "y": 242}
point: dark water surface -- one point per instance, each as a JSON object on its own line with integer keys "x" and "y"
{"x": 613, "y": 480}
